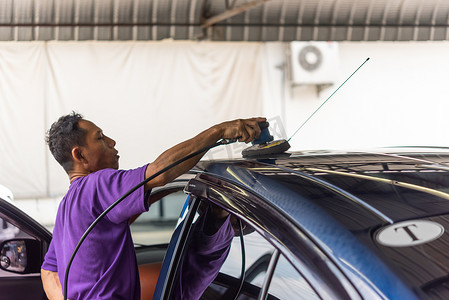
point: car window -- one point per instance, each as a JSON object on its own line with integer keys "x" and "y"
{"x": 7, "y": 232}
{"x": 210, "y": 265}
{"x": 258, "y": 254}
{"x": 287, "y": 283}
{"x": 156, "y": 226}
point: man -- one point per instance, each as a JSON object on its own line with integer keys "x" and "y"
{"x": 105, "y": 266}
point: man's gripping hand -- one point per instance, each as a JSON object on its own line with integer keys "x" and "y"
{"x": 244, "y": 130}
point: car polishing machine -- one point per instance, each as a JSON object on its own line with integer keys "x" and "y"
{"x": 265, "y": 145}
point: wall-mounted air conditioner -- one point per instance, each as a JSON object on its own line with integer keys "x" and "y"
{"x": 313, "y": 63}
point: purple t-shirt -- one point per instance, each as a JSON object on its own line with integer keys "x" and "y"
{"x": 105, "y": 266}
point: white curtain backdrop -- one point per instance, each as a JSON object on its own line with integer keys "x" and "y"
{"x": 147, "y": 96}
{"x": 22, "y": 107}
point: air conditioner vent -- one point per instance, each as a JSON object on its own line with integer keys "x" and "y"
{"x": 314, "y": 63}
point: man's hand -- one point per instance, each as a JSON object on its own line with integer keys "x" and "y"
{"x": 245, "y": 130}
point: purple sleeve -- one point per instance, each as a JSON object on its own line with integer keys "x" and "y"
{"x": 50, "y": 262}
{"x": 203, "y": 259}
{"x": 113, "y": 184}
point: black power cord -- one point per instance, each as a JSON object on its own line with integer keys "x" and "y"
{"x": 242, "y": 272}
{"x": 106, "y": 211}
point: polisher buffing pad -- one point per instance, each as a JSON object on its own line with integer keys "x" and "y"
{"x": 264, "y": 144}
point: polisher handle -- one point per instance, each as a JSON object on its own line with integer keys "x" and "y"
{"x": 263, "y": 125}
{"x": 264, "y": 136}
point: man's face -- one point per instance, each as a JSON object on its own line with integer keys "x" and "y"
{"x": 99, "y": 149}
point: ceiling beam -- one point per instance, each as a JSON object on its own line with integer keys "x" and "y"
{"x": 231, "y": 12}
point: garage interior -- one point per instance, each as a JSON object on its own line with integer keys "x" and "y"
{"x": 166, "y": 69}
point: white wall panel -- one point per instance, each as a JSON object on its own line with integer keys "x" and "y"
{"x": 400, "y": 97}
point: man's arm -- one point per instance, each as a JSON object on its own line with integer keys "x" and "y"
{"x": 245, "y": 130}
{"x": 52, "y": 285}
{"x": 207, "y": 249}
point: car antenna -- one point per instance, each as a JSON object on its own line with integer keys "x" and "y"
{"x": 326, "y": 100}
{"x": 264, "y": 145}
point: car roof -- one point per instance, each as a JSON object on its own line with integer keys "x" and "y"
{"x": 341, "y": 197}
{"x": 371, "y": 179}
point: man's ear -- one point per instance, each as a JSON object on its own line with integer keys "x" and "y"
{"x": 77, "y": 155}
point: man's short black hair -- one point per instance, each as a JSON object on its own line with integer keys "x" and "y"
{"x": 63, "y": 135}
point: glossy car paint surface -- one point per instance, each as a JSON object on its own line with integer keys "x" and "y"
{"x": 341, "y": 202}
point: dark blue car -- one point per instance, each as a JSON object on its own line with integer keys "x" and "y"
{"x": 326, "y": 226}
{"x": 314, "y": 225}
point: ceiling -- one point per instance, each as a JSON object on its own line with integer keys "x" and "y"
{"x": 225, "y": 20}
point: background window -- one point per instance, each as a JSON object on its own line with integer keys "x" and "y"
{"x": 156, "y": 226}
